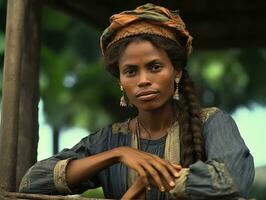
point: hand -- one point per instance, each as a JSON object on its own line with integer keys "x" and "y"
{"x": 136, "y": 191}
{"x": 149, "y": 166}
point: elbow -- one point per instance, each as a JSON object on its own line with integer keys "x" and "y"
{"x": 24, "y": 186}
{"x": 37, "y": 185}
{"x": 246, "y": 177}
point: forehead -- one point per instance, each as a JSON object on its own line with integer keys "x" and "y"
{"x": 141, "y": 50}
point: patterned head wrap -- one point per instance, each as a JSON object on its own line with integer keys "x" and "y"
{"x": 146, "y": 19}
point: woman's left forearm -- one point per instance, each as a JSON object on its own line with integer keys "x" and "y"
{"x": 136, "y": 191}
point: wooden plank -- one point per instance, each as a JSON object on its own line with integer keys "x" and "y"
{"x": 11, "y": 86}
{"x": 29, "y": 92}
{"x": 20, "y": 196}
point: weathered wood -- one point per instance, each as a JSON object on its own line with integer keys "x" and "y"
{"x": 11, "y": 86}
{"x": 29, "y": 92}
{"x": 19, "y": 196}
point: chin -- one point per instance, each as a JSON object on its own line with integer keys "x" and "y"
{"x": 149, "y": 106}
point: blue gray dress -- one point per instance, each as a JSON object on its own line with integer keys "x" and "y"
{"x": 227, "y": 173}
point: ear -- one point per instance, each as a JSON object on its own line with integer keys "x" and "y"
{"x": 178, "y": 74}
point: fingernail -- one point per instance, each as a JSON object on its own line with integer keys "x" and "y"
{"x": 162, "y": 189}
{"x": 149, "y": 188}
{"x": 176, "y": 174}
{"x": 172, "y": 183}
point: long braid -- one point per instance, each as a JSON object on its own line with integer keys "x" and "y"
{"x": 195, "y": 123}
{"x": 186, "y": 138}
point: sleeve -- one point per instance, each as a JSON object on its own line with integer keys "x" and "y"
{"x": 49, "y": 176}
{"x": 229, "y": 169}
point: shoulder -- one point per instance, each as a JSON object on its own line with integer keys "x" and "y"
{"x": 207, "y": 113}
{"x": 120, "y": 127}
{"x": 219, "y": 125}
{"x": 218, "y": 121}
{"x": 109, "y": 131}
{"x": 215, "y": 115}
{"x": 99, "y": 136}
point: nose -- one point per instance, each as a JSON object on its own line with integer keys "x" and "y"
{"x": 143, "y": 80}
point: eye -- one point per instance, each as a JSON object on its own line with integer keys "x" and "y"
{"x": 129, "y": 72}
{"x": 155, "y": 67}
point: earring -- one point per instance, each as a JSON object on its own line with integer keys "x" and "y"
{"x": 176, "y": 94}
{"x": 123, "y": 102}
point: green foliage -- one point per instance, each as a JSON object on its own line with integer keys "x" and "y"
{"x": 75, "y": 88}
{"x": 94, "y": 193}
{"x": 229, "y": 78}
{"x": 78, "y": 92}
{"x": 259, "y": 187}
{"x": 2, "y": 43}
{"x": 2, "y": 39}
{"x": 72, "y": 79}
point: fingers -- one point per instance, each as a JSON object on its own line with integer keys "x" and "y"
{"x": 144, "y": 177}
{"x": 166, "y": 177}
{"x": 160, "y": 171}
{"x": 151, "y": 168}
{"x": 154, "y": 176}
{"x": 172, "y": 168}
{"x": 176, "y": 166}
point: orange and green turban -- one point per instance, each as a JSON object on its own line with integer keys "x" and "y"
{"x": 146, "y": 19}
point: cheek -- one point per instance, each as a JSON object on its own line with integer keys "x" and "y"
{"x": 167, "y": 85}
{"x": 128, "y": 86}
{"x": 170, "y": 88}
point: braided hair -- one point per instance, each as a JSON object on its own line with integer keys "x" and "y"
{"x": 192, "y": 142}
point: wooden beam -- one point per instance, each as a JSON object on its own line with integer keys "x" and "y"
{"x": 214, "y": 25}
{"x": 11, "y": 86}
{"x": 23, "y": 196}
{"x": 29, "y": 92}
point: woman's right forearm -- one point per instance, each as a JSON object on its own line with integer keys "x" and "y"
{"x": 82, "y": 169}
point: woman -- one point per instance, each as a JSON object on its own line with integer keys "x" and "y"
{"x": 173, "y": 148}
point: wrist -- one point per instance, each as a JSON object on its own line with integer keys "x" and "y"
{"x": 136, "y": 191}
{"x": 117, "y": 154}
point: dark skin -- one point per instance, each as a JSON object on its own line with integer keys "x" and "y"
{"x": 149, "y": 69}
{"x": 147, "y": 77}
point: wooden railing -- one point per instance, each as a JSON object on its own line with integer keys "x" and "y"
{"x": 23, "y": 196}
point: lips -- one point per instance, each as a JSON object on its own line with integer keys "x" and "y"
{"x": 147, "y": 95}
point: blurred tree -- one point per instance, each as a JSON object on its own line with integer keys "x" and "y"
{"x": 73, "y": 82}
{"x": 75, "y": 88}
{"x": 230, "y": 78}
{"x": 2, "y": 39}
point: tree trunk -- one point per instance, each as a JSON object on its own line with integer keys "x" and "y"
{"x": 29, "y": 92}
{"x": 11, "y": 86}
{"x": 56, "y": 132}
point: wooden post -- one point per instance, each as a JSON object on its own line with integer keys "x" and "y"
{"x": 11, "y": 86}
{"x": 29, "y": 92}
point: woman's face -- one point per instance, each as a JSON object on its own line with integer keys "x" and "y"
{"x": 147, "y": 75}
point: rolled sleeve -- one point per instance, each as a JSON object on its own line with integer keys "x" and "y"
{"x": 60, "y": 180}
{"x": 49, "y": 176}
{"x": 180, "y": 185}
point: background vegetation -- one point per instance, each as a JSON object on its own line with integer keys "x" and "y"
{"x": 77, "y": 91}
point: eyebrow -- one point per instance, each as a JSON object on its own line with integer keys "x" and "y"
{"x": 129, "y": 66}
{"x": 147, "y": 64}
{"x": 156, "y": 60}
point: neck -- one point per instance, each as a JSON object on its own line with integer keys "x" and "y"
{"x": 157, "y": 121}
